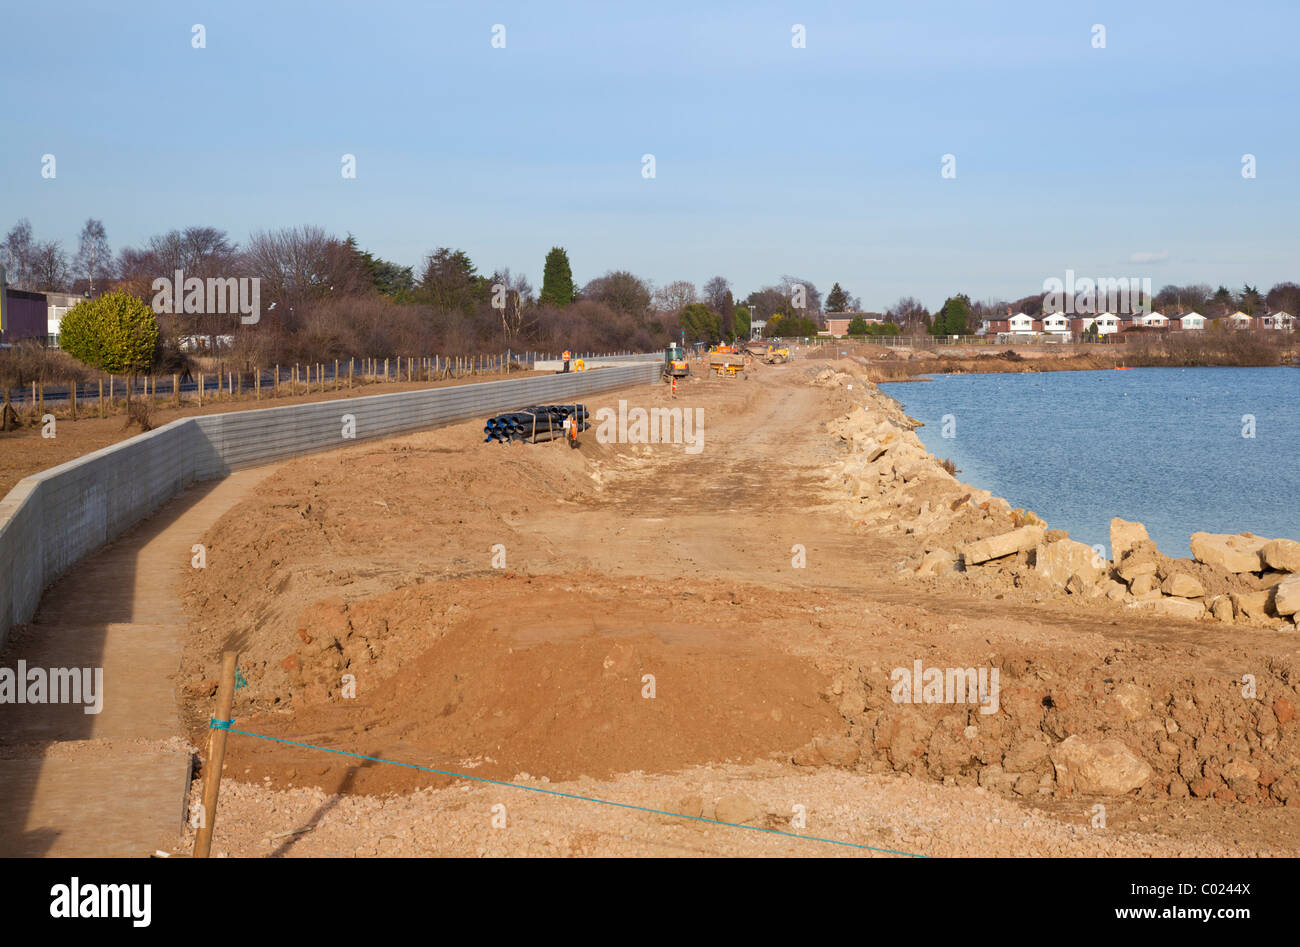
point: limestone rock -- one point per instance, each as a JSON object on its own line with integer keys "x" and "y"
{"x": 737, "y": 809}
{"x": 1282, "y": 555}
{"x": 1101, "y": 767}
{"x": 995, "y": 547}
{"x": 936, "y": 562}
{"x": 1124, "y": 535}
{"x": 1251, "y": 604}
{"x": 1174, "y": 608}
{"x": 1286, "y": 599}
{"x": 1135, "y": 565}
{"x": 1182, "y": 585}
{"x": 1058, "y": 561}
{"x": 1142, "y": 584}
{"x": 1222, "y": 608}
{"x": 1240, "y": 553}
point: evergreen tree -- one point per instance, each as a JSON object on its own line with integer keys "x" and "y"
{"x": 837, "y": 300}
{"x": 557, "y": 279}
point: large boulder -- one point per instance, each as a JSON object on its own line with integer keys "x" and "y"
{"x": 1182, "y": 585}
{"x": 1251, "y": 604}
{"x": 936, "y": 562}
{"x": 1057, "y": 561}
{"x": 1006, "y": 544}
{"x": 1240, "y": 553}
{"x": 1282, "y": 555}
{"x": 1124, "y": 536}
{"x": 1286, "y": 599}
{"x": 1099, "y": 767}
{"x": 1173, "y": 607}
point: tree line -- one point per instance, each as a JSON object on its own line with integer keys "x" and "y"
{"x": 324, "y": 297}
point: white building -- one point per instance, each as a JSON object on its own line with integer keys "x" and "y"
{"x": 1021, "y": 324}
{"x": 1152, "y": 319}
{"x": 1056, "y": 323}
{"x": 1107, "y": 323}
{"x": 1240, "y": 320}
{"x": 1277, "y": 320}
{"x": 1193, "y": 320}
{"x": 56, "y": 307}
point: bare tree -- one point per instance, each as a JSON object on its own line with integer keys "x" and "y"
{"x": 910, "y": 315}
{"x": 621, "y": 291}
{"x": 797, "y": 289}
{"x": 49, "y": 267}
{"x": 518, "y": 300}
{"x": 18, "y": 252}
{"x": 676, "y": 296}
{"x": 93, "y": 254}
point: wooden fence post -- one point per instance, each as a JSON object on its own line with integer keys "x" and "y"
{"x": 216, "y": 755}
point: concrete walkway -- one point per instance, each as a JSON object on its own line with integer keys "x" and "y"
{"x": 113, "y": 783}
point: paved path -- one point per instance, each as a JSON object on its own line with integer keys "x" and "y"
{"x": 113, "y": 783}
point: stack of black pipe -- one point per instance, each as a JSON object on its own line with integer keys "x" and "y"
{"x": 539, "y": 422}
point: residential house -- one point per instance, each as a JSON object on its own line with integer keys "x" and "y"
{"x": 1021, "y": 324}
{"x": 1192, "y": 321}
{"x": 1108, "y": 323}
{"x": 1056, "y": 323}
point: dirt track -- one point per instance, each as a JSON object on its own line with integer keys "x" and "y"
{"x": 770, "y": 679}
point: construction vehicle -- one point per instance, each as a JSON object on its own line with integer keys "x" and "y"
{"x": 776, "y": 356}
{"x": 675, "y": 363}
{"x": 726, "y": 361}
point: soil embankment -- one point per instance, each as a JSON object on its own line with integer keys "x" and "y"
{"x": 768, "y": 589}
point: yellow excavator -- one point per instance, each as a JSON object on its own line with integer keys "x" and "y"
{"x": 675, "y": 363}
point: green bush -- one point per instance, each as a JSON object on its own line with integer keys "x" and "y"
{"x": 116, "y": 333}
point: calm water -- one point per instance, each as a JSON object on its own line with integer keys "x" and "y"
{"x": 1160, "y": 445}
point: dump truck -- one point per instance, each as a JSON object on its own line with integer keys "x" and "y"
{"x": 776, "y": 356}
{"x": 675, "y": 363}
{"x": 726, "y": 361}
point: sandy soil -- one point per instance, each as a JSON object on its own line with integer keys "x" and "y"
{"x": 373, "y": 567}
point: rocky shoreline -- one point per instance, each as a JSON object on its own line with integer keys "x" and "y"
{"x": 897, "y": 484}
{"x": 1180, "y": 713}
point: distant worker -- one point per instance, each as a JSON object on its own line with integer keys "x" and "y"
{"x": 567, "y": 356}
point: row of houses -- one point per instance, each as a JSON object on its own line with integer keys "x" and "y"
{"x": 1108, "y": 323}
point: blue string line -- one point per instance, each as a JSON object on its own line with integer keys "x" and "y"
{"x": 216, "y": 724}
{"x": 566, "y": 795}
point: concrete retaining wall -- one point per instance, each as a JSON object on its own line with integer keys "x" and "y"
{"x": 52, "y": 519}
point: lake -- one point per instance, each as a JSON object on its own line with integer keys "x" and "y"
{"x": 1170, "y": 447}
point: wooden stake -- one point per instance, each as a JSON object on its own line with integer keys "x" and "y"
{"x": 72, "y": 389}
{"x": 101, "y": 397}
{"x": 216, "y": 756}
{"x": 176, "y": 389}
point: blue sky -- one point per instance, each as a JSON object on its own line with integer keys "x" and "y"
{"x": 821, "y": 162}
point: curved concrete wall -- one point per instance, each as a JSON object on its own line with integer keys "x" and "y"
{"x": 52, "y": 519}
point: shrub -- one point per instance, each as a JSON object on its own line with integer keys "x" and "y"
{"x": 115, "y": 333}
